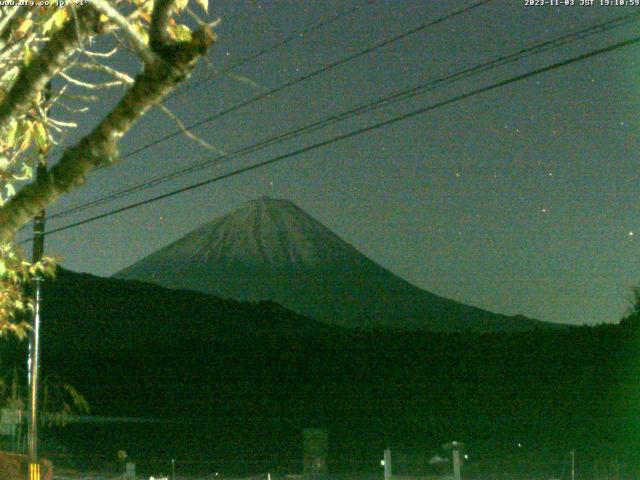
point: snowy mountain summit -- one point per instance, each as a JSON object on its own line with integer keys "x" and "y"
{"x": 265, "y": 232}
{"x": 270, "y": 249}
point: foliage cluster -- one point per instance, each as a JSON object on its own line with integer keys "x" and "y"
{"x": 632, "y": 318}
{"x": 59, "y": 401}
{"x": 51, "y": 74}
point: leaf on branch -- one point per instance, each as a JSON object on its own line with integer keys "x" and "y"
{"x": 180, "y": 5}
{"x": 144, "y": 5}
{"x": 25, "y": 174}
{"x": 204, "y": 4}
{"x": 56, "y": 21}
{"x": 142, "y": 30}
{"x": 10, "y": 136}
{"x": 28, "y": 55}
{"x": 181, "y": 33}
{"x": 7, "y": 78}
{"x": 26, "y": 136}
{"x": 145, "y": 16}
{"x": 41, "y": 137}
{"x": 24, "y": 28}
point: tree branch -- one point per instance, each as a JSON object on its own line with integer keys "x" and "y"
{"x": 189, "y": 134}
{"x": 100, "y": 147}
{"x": 99, "y": 67}
{"x": 89, "y": 85}
{"x": 108, "y": 54}
{"x": 134, "y": 37}
{"x": 11, "y": 19}
{"x": 33, "y": 78}
{"x": 158, "y": 37}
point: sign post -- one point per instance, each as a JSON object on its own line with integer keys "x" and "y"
{"x": 455, "y": 447}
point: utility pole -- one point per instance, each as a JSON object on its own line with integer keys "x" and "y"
{"x": 388, "y": 468}
{"x": 34, "y": 338}
{"x": 455, "y": 447}
{"x": 573, "y": 464}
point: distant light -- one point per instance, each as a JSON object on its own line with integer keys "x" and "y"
{"x": 382, "y": 463}
{"x": 631, "y": 234}
{"x": 519, "y": 445}
{"x": 466, "y": 457}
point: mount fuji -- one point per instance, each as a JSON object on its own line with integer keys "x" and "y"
{"x": 270, "y": 249}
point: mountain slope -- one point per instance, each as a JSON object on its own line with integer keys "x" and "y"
{"x": 272, "y": 250}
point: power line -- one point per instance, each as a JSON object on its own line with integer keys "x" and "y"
{"x": 310, "y": 75}
{"x": 285, "y": 41}
{"x": 382, "y": 102}
{"x": 357, "y": 132}
{"x": 301, "y": 79}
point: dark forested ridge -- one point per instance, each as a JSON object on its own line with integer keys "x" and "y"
{"x": 236, "y": 382}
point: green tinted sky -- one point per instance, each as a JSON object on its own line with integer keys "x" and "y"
{"x": 521, "y": 200}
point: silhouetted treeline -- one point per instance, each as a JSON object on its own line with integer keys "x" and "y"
{"x": 234, "y": 383}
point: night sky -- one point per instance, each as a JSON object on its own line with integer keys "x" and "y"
{"x": 520, "y": 200}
